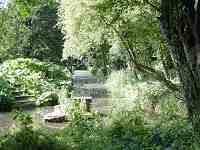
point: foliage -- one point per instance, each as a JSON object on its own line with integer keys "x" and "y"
{"x": 126, "y": 130}
{"x": 23, "y": 119}
{"x": 25, "y": 26}
{"x": 99, "y": 58}
{"x": 46, "y": 38}
{"x": 47, "y": 99}
{"x": 131, "y": 24}
{"x": 119, "y": 59}
{"x": 119, "y": 84}
{"x": 129, "y": 130}
{"x": 6, "y": 99}
{"x": 33, "y": 77}
{"x": 115, "y": 21}
{"x": 127, "y": 90}
{"x": 73, "y": 63}
{"x": 26, "y": 138}
{"x": 14, "y": 33}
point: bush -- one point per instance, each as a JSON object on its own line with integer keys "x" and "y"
{"x": 126, "y": 91}
{"x": 6, "y": 99}
{"x": 126, "y": 130}
{"x": 33, "y": 77}
{"x": 174, "y": 134}
{"x": 6, "y": 103}
{"x": 74, "y": 63}
{"x": 26, "y": 138}
{"x": 48, "y": 99}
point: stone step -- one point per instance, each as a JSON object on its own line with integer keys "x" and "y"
{"x": 23, "y": 97}
{"x": 95, "y": 93}
{"x": 93, "y": 86}
{"x": 17, "y": 93}
{"x": 77, "y": 76}
{"x": 55, "y": 117}
{"x": 87, "y": 85}
{"x": 99, "y": 103}
{"x": 83, "y": 80}
{"x": 87, "y": 98}
{"x": 83, "y": 77}
{"x": 25, "y": 103}
{"x": 82, "y": 73}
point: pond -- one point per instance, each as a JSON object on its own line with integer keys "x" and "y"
{"x": 84, "y": 85}
{"x": 6, "y": 121}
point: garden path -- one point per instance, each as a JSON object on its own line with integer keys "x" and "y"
{"x": 87, "y": 85}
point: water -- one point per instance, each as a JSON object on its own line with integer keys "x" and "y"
{"x": 85, "y": 85}
{"x": 6, "y": 121}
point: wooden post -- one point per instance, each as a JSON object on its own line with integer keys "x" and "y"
{"x": 86, "y": 101}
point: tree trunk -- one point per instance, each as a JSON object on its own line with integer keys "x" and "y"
{"x": 180, "y": 20}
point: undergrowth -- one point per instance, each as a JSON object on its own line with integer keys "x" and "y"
{"x": 126, "y": 130}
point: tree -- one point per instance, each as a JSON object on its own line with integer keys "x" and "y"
{"x": 13, "y": 33}
{"x": 180, "y": 21}
{"x": 99, "y": 58}
{"x": 85, "y": 22}
{"x": 29, "y": 30}
{"x": 46, "y": 38}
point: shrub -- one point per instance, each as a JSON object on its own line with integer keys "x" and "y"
{"x": 126, "y": 91}
{"x": 33, "y": 77}
{"x": 26, "y": 138}
{"x": 6, "y": 103}
{"x": 48, "y": 99}
{"x": 127, "y": 130}
{"x": 6, "y": 99}
{"x": 74, "y": 63}
{"x": 174, "y": 134}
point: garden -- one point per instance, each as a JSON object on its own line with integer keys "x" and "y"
{"x": 99, "y": 75}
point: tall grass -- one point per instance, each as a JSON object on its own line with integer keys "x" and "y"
{"x": 127, "y": 92}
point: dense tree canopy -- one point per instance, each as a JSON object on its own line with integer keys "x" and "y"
{"x": 30, "y": 30}
{"x": 140, "y": 48}
{"x": 134, "y": 26}
{"x": 131, "y": 26}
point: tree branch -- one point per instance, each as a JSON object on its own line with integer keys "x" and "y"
{"x": 158, "y": 75}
